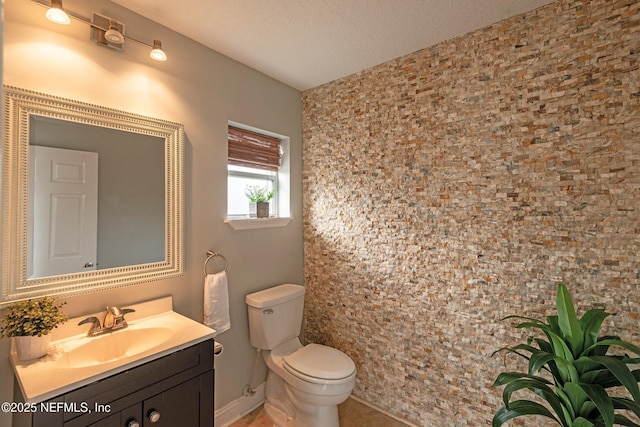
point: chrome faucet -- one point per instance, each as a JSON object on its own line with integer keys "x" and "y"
{"x": 96, "y": 328}
{"x": 113, "y": 320}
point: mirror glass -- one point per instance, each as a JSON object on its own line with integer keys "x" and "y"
{"x": 117, "y": 221}
{"x": 92, "y": 197}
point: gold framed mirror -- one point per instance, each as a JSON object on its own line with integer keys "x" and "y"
{"x": 137, "y": 203}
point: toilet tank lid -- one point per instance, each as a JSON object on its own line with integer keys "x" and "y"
{"x": 274, "y": 296}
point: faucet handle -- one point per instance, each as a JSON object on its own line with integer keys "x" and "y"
{"x": 111, "y": 317}
{"x": 95, "y": 325}
{"x": 127, "y": 310}
{"x": 119, "y": 312}
{"x": 92, "y": 319}
{"x": 115, "y": 311}
{"x": 114, "y": 318}
{"x": 121, "y": 321}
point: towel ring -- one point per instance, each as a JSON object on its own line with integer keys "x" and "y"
{"x": 211, "y": 254}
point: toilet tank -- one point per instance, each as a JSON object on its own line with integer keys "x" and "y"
{"x": 275, "y": 315}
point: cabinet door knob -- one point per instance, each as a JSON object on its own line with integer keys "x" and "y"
{"x": 154, "y": 416}
{"x": 133, "y": 423}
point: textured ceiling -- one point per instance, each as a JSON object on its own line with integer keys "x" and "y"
{"x": 305, "y": 43}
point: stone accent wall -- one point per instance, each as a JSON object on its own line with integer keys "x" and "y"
{"x": 454, "y": 186}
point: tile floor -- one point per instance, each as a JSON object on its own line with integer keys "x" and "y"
{"x": 352, "y": 414}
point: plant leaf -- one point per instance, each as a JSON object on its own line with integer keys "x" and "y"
{"x": 538, "y": 360}
{"x": 543, "y": 345}
{"x": 515, "y": 316}
{"x": 585, "y": 364}
{"x": 533, "y": 325}
{"x": 581, "y": 422}
{"x": 525, "y": 347}
{"x": 587, "y": 408}
{"x": 609, "y": 341}
{"x": 599, "y": 350}
{"x": 540, "y": 387}
{"x": 563, "y": 360}
{"x": 560, "y": 347}
{"x": 567, "y": 402}
{"x": 519, "y": 408}
{"x": 507, "y": 377}
{"x": 508, "y": 351}
{"x": 577, "y": 396}
{"x": 624, "y": 421}
{"x": 599, "y": 376}
{"x": 591, "y": 322}
{"x": 568, "y": 322}
{"x": 602, "y": 401}
{"x": 553, "y": 322}
{"x": 626, "y": 404}
{"x": 622, "y": 373}
{"x": 605, "y": 378}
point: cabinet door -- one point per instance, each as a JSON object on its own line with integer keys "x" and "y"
{"x": 128, "y": 417}
{"x": 131, "y": 415}
{"x": 178, "y": 406}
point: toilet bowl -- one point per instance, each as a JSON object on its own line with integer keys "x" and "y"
{"x": 305, "y": 383}
{"x": 315, "y": 378}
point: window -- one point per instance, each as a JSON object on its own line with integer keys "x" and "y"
{"x": 238, "y": 179}
{"x": 256, "y": 158}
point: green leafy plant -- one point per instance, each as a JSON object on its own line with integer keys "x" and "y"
{"x": 577, "y": 373}
{"x": 32, "y": 317}
{"x": 257, "y": 194}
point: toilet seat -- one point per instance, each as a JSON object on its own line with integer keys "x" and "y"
{"x": 316, "y": 362}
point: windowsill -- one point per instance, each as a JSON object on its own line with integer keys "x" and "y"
{"x": 252, "y": 223}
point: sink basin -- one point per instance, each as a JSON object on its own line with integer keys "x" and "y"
{"x": 116, "y": 345}
{"x": 154, "y": 331}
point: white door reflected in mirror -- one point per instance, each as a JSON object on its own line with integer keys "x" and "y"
{"x": 65, "y": 212}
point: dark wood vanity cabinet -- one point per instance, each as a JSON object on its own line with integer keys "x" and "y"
{"x": 175, "y": 390}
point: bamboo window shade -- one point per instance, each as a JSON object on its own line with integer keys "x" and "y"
{"x": 250, "y": 149}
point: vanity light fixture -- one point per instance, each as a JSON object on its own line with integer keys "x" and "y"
{"x": 113, "y": 37}
{"x": 57, "y": 14}
{"x": 113, "y": 34}
{"x": 104, "y": 31}
{"x": 157, "y": 53}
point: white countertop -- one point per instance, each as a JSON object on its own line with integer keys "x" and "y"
{"x": 56, "y": 373}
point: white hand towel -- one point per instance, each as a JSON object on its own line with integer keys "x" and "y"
{"x": 216, "y": 302}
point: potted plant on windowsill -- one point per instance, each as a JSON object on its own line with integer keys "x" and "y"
{"x": 259, "y": 198}
{"x": 29, "y": 323}
{"x": 570, "y": 370}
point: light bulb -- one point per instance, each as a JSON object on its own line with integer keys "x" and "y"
{"x": 56, "y": 14}
{"x": 113, "y": 35}
{"x": 157, "y": 54}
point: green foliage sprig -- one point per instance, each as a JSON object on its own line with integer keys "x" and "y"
{"x": 257, "y": 194}
{"x": 32, "y": 317}
{"x": 576, "y": 371}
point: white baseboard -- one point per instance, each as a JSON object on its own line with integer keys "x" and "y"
{"x": 236, "y": 409}
{"x": 240, "y": 407}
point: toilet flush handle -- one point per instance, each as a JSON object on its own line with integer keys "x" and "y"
{"x": 267, "y": 311}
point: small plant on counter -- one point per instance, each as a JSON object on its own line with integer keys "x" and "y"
{"x": 257, "y": 194}
{"x": 34, "y": 317}
{"x": 577, "y": 373}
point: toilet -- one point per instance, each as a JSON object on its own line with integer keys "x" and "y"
{"x": 305, "y": 384}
